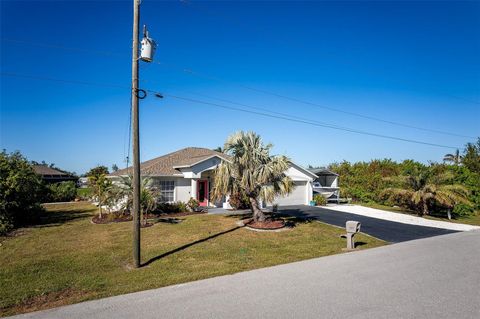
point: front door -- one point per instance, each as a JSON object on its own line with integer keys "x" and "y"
{"x": 202, "y": 192}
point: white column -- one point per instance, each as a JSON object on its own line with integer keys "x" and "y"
{"x": 193, "y": 192}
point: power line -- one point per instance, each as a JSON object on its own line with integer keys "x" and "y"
{"x": 55, "y": 46}
{"x": 264, "y": 113}
{"x": 35, "y": 77}
{"x": 348, "y": 64}
{"x": 304, "y": 121}
{"x": 293, "y": 99}
{"x": 297, "y": 100}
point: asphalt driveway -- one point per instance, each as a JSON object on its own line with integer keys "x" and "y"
{"x": 383, "y": 229}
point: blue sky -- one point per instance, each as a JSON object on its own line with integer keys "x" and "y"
{"x": 416, "y": 63}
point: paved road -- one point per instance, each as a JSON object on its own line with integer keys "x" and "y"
{"x": 436, "y": 277}
{"x": 387, "y": 230}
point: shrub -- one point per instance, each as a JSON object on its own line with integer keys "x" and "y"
{"x": 192, "y": 204}
{"x": 171, "y": 208}
{"x": 84, "y": 193}
{"x": 62, "y": 192}
{"x": 239, "y": 201}
{"x": 21, "y": 191}
{"x": 319, "y": 200}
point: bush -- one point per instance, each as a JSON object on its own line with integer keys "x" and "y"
{"x": 239, "y": 201}
{"x": 319, "y": 200}
{"x": 84, "y": 193}
{"x": 171, "y": 208}
{"x": 192, "y": 204}
{"x": 21, "y": 191}
{"x": 62, "y": 192}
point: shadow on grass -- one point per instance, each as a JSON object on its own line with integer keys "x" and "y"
{"x": 291, "y": 220}
{"x": 56, "y": 218}
{"x": 176, "y": 250}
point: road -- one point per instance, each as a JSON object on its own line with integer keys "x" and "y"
{"x": 436, "y": 277}
{"x": 390, "y": 231}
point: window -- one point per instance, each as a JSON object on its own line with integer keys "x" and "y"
{"x": 166, "y": 189}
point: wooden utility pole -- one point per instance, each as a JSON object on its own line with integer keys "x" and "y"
{"x": 136, "y": 136}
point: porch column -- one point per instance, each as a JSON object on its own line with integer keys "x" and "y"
{"x": 193, "y": 192}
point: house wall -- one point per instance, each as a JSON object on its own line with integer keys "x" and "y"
{"x": 182, "y": 187}
{"x": 183, "y": 190}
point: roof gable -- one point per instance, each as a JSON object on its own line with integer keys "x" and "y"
{"x": 167, "y": 165}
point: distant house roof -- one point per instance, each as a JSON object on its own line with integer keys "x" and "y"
{"x": 322, "y": 171}
{"x": 167, "y": 165}
{"x": 51, "y": 174}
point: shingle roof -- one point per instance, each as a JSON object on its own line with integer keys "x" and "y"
{"x": 45, "y": 170}
{"x": 165, "y": 165}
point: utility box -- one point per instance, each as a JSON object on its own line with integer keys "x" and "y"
{"x": 148, "y": 49}
{"x": 352, "y": 227}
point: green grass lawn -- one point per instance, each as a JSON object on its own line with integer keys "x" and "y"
{"x": 67, "y": 259}
{"x": 471, "y": 219}
{"x": 84, "y": 192}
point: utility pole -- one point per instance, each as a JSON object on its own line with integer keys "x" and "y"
{"x": 136, "y": 136}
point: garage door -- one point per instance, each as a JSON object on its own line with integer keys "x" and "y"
{"x": 297, "y": 197}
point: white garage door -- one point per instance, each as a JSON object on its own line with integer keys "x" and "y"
{"x": 297, "y": 197}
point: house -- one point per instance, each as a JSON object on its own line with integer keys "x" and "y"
{"x": 189, "y": 173}
{"x": 326, "y": 184}
{"x": 51, "y": 175}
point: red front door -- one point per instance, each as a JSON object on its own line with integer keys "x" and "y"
{"x": 202, "y": 192}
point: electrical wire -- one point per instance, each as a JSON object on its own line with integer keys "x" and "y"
{"x": 263, "y": 113}
{"x": 44, "y": 78}
{"x": 293, "y": 99}
{"x": 297, "y": 100}
{"x": 304, "y": 121}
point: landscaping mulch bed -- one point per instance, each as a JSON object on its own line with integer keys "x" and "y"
{"x": 107, "y": 220}
{"x": 175, "y": 214}
{"x": 266, "y": 225}
{"x": 147, "y": 224}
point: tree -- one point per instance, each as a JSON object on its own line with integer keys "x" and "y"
{"x": 218, "y": 149}
{"x": 455, "y": 159}
{"x": 101, "y": 189}
{"x": 148, "y": 195}
{"x": 114, "y": 168}
{"x": 21, "y": 191}
{"x": 252, "y": 171}
{"x": 422, "y": 189}
{"x": 471, "y": 157}
{"x": 97, "y": 171}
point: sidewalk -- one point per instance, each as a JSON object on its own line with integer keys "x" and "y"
{"x": 400, "y": 218}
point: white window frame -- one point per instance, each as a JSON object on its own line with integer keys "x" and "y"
{"x": 160, "y": 185}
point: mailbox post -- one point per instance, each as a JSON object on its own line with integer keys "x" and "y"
{"x": 353, "y": 227}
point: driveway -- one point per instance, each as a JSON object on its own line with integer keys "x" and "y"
{"x": 390, "y": 231}
{"x": 436, "y": 277}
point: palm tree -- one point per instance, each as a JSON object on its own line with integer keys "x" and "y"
{"x": 102, "y": 190}
{"x": 252, "y": 171}
{"x": 148, "y": 195}
{"x": 421, "y": 190}
{"x": 453, "y": 158}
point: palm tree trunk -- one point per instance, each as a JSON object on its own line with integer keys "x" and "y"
{"x": 425, "y": 208}
{"x": 258, "y": 215}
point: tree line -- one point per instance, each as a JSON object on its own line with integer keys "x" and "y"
{"x": 434, "y": 189}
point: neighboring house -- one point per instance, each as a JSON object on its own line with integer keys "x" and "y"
{"x": 51, "y": 175}
{"x": 189, "y": 173}
{"x": 326, "y": 184}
